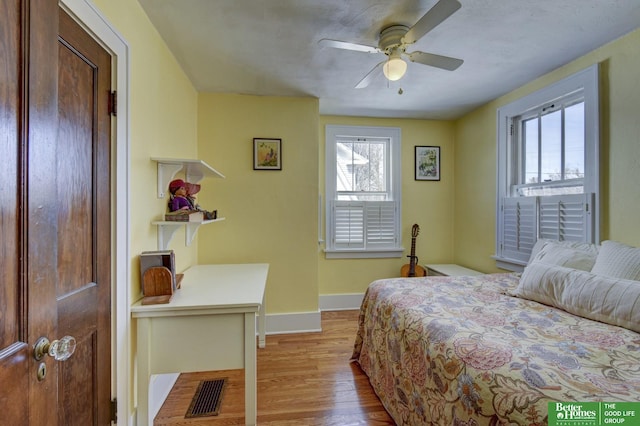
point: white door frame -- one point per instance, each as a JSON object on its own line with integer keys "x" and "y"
{"x": 92, "y": 20}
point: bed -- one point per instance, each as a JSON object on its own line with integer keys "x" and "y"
{"x": 497, "y": 348}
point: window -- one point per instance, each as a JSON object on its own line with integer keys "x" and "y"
{"x": 552, "y": 142}
{"x": 548, "y": 168}
{"x": 363, "y": 192}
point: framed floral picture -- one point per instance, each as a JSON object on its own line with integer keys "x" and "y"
{"x": 267, "y": 154}
{"x": 427, "y": 163}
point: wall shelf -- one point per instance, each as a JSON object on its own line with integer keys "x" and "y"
{"x": 194, "y": 171}
{"x": 166, "y": 230}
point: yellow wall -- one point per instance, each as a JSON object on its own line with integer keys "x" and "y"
{"x": 163, "y": 117}
{"x": 270, "y": 216}
{"x": 475, "y": 160}
{"x": 430, "y": 204}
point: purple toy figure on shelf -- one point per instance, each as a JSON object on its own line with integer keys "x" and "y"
{"x": 179, "y": 200}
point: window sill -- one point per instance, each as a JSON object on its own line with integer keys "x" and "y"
{"x": 363, "y": 254}
{"x": 509, "y": 264}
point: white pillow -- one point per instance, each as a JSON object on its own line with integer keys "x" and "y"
{"x": 542, "y": 283}
{"x": 618, "y": 260}
{"x": 611, "y": 300}
{"x": 576, "y": 245}
{"x": 562, "y": 255}
{"x": 605, "y": 299}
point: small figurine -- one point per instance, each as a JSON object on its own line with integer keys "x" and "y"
{"x": 192, "y": 190}
{"x": 183, "y": 198}
{"x": 179, "y": 200}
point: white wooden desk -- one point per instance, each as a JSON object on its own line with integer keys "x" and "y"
{"x": 210, "y": 324}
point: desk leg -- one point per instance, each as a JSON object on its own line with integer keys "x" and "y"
{"x": 261, "y": 324}
{"x": 144, "y": 373}
{"x": 250, "y": 367}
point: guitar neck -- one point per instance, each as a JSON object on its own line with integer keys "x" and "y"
{"x": 412, "y": 258}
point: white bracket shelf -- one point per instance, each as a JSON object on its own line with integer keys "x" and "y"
{"x": 166, "y": 230}
{"x": 194, "y": 171}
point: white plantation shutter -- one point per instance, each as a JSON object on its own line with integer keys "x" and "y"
{"x": 364, "y": 224}
{"x": 380, "y": 224}
{"x": 557, "y": 217}
{"x": 565, "y": 217}
{"x": 348, "y": 224}
{"x": 519, "y": 222}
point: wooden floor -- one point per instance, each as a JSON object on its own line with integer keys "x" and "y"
{"x": 303, "y": 379}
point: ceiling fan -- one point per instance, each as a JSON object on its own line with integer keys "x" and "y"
{"x": 394, "y": 40}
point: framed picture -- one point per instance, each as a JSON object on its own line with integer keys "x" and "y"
{"x": 427, "y": 163}
{"x": 267, "y": 154}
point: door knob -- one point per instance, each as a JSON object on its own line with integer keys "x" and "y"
{"x": 60, "y": 349}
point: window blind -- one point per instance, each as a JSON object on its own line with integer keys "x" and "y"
{"x": 565, "y": 217}
{"x": 557, "y": 217}
{"x": 364, "y": 224}
{"x": 519, "y": 227}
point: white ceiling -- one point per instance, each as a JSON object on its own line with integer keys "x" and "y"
{"x": 270, "y": 47}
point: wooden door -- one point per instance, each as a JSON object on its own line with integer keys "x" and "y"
{"x": 13, "y": 341}
{"x": 28, "y": 120}
{"x": 83, "y": 222}
{"x": 54, "y": 218}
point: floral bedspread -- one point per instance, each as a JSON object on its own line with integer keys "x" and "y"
{"x": 459, "y": 351}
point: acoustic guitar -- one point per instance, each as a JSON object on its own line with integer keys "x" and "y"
{"x": 413, "y": 269}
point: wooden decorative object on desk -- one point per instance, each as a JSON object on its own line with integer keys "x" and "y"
{"x": 157, "y": 285}
{"x": 166, "y": 258}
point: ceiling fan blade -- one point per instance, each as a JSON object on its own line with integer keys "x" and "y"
{"x": 325, "y": 42}
{"x": 438, "y": 13}
{"x": 438, "y": 61}
{"x": 371, "y": 75}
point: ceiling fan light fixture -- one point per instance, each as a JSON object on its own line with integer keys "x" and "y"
{"x": 394, "y": 68}
{"x": 394, "y": 40}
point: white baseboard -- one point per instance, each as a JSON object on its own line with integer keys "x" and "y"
{"x": 299, "y": 322}
{"x": 304, "y": 322}
{"x": 340, "y": 302}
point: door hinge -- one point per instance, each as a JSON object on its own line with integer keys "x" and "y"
{"x": 113, "y": 103}
{"x": 114, "y": 410}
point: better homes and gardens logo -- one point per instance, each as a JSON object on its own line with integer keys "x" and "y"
{"x": 593, "y": 413}
{"x": 581, "y": 413}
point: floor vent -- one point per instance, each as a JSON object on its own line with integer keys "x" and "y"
{"x": 207, "y": 399}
